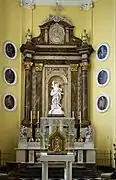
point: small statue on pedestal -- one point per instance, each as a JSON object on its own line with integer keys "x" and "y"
{"x": 88, "y": 134}
{"x": 28, "y": 35}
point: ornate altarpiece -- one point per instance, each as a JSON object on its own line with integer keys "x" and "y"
{"x": 56, "y": 55}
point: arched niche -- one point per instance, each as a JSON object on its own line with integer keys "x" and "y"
{"x": 57, "y": 75}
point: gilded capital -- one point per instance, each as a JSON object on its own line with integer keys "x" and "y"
{"x": 74, "y": 67}
{"x": 27, "y": 65}
{"x": 38, "y": 67}
{"x": 85, "y": 66}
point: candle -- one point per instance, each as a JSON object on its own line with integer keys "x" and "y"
{"x": 38, "y": 116}
{"x": 73, "y": 114}
{"x": 31, "y": 117}
{"x": 80, "y": 117}
{"x": 80, "y": 122}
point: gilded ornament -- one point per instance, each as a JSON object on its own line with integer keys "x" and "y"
{"x": 38, "y": 67}
{"x": 27, "y": 65}
{"x": 85, "y": 66}
{"x": 74, "y": 67}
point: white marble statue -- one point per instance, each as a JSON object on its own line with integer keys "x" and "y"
{"x": 56, "y": 94}
{"x": 88, "y": 134}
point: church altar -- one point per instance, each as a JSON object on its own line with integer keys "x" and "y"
{"x": 56, "y": 121}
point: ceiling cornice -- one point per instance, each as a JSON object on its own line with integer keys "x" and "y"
{"x": 83, "y": 4}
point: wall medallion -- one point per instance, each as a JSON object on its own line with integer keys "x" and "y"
{"x": 102, "y": 103}
{"x": 10, "y": 76}
{"x": 102, "y": 77}
{"x": 10, "y": 50}
{"x": 102, "y": 52}
{"x": 9, "y": 102}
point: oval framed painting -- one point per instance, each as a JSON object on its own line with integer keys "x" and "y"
{"x": 10, "y": 50}
{"x": 10, "y": 75}
{"x": 102, "y": 103}
{"x": 9, "y": 102}
{"x": 103, "y": 77}
{"x": 102, "y": 52}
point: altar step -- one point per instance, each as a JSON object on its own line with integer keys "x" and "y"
{"x": 36, "y": 172}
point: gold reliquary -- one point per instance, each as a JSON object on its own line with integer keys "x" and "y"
{"x": 56, "y": 142}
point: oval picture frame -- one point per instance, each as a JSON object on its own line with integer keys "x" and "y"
{"x": 10, "y": 97}
{"x": 10, "y": 50}
{"x": 8, "y": 74}
{"x": 102, "y": 77}
{"x": 102, "y": 103}
{"x": 102, "y": 52}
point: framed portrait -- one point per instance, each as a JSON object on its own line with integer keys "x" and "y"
{"x": 10, "y": 50}
{"x": 102, "y": 77}
{"x": 10, "y": 75}
{"x": 9, "y": 102}
{"x": 102, "y": 103}
{"x": 102, "y": 52}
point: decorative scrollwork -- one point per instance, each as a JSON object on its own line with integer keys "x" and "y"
{"x": 74, "y": 67}
{"x": 38, "y": 67}
{"x": 27, "y": 65}
{"x": 85, "y": 66}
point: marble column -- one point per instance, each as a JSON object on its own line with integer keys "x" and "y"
{"x": 27, "y": 66}
{"x": 38, "y": 69}
{"x": 34, "y": 113}
{"x": 74, "y": 90}
{"x": 84, "y": 66}
{"x": 79, "y": 93}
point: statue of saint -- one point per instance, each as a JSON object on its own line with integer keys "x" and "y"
{"x": 102, "y": 103}
{"x": 56, "y": 94}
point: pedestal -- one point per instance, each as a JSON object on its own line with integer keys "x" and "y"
{"x": 67, "y": 159}
{"x": 31, "y": 156}
{"x": 21, "y": 155}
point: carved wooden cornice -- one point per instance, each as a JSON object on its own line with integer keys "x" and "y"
{"x": 56, "y": 42}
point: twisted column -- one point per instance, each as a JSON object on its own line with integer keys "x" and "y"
{"x": 84, "y": 67}
{"x": 27, "y": 66}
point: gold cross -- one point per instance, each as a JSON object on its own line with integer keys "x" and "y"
{"x": 58, "y": 9}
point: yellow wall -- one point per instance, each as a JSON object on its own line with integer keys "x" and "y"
{"x": 103, "y": 31}
{"x": 100, "y": 25}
